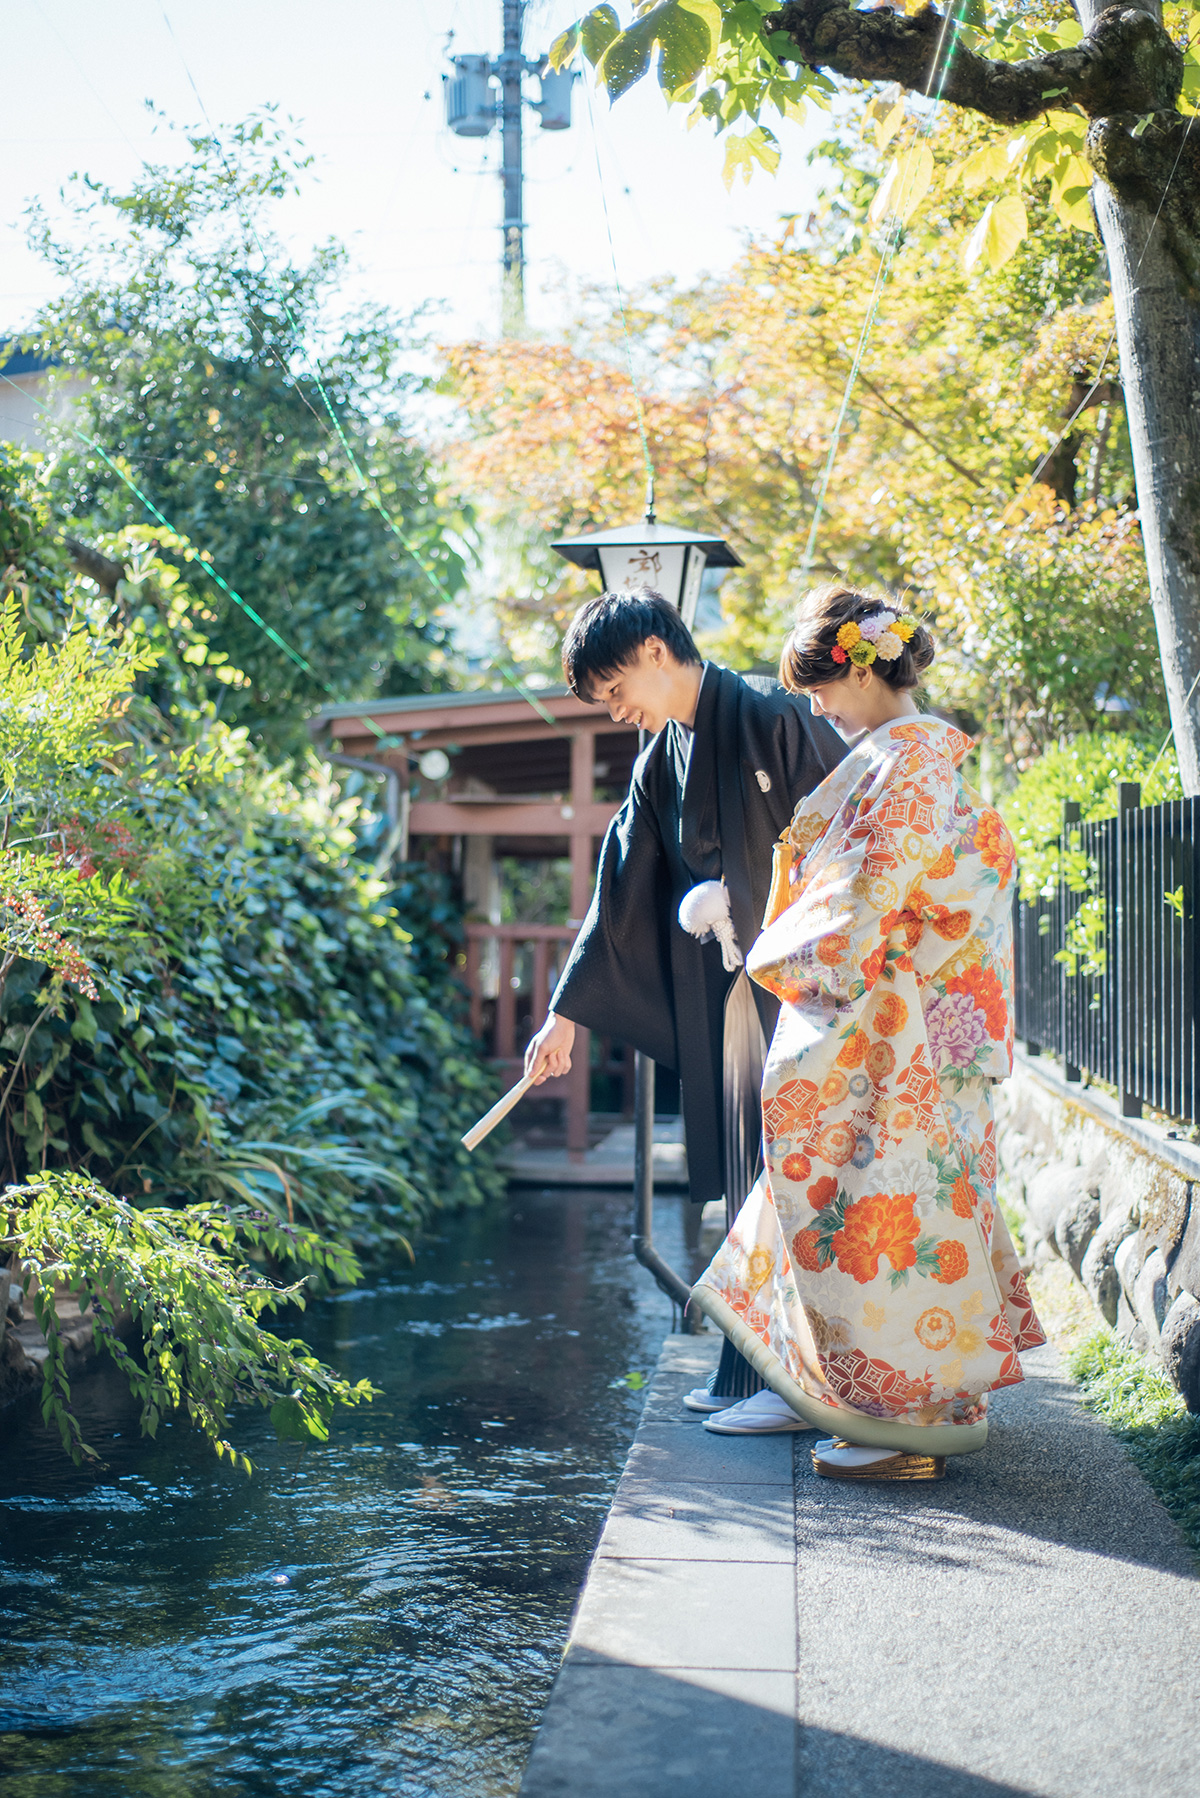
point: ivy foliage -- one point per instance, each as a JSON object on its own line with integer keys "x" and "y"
{"x": 183, "y": 1281}
{"x": 212, "y": 1014}
{"x": 1088, "y": 771}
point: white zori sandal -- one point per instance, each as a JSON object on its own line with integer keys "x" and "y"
{"x": 835, "y": 1459}
{"x": 762, "y": 1414}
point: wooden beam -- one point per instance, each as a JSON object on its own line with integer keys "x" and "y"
{"x": 434, "y": 818}
{"x": 583, "y": 799}
{"x": 400, "y": 720}
{"x": 355, "y": 739}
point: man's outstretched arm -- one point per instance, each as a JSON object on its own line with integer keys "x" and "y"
{"x": 549, "y": 1053}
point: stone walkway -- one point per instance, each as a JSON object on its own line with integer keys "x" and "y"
{"x": 1029, "y": 1625}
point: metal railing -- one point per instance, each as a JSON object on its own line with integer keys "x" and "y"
{"x": 1106, "y": 964}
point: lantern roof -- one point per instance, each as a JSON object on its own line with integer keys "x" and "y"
{"x": 585, "y": 551}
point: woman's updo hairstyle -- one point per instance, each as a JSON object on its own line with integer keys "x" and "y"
{"x": 838, "y": 628}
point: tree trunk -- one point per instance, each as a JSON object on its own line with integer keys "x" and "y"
{"x": 1158, "y": 336}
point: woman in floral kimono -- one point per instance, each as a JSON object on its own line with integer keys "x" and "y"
{"x": 870, "y": 1278}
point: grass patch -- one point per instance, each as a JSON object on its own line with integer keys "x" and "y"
{"x": 1143, "y": 1410}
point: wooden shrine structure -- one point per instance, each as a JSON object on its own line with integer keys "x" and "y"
{"x": 519, "y": 784}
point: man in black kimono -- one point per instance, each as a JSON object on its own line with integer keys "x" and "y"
{"x": 729, "y": 758}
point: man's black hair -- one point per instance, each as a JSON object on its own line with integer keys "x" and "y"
{"x": 606, "y": 634}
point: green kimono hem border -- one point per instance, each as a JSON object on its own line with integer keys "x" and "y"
{"x": 837, "y": 1420}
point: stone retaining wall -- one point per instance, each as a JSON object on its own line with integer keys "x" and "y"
{"x": 1118, "y": 1199}
{"x": 23, "y": 1346}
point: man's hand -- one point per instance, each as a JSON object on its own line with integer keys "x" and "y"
{"x": 549, "y": 1053}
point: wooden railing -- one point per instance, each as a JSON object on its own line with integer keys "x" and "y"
{"x": 530, "y": 959}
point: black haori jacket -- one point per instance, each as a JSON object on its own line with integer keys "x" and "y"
{"x": 697, "y": 809}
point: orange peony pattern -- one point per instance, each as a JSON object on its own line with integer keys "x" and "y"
{"x": 894, "y": 1287}
{"x": 877, "y": 1225}
{"x": 983, "y": 986}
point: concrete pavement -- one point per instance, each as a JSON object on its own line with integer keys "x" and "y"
{"x": 1028, "y": 1626}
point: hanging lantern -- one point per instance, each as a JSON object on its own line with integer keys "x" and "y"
{"x": 649, "y": 554}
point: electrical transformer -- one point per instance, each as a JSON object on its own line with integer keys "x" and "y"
{"x": 470, "y": 100}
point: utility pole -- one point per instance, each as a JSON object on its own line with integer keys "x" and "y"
{"x": 511, "y": 68}
{"x": 472, "y": 111}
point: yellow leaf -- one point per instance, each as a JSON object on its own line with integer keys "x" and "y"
{"x": 998, "y": 234}
{"x": 1069, "y": 174}
{"x": 886, "y": 113}
{"x": 742, "y": 152}
{"x": 1042, "y": 154}
{"x": 988, "y": 164}
{"x": 1074, "y": 208}
{"x": 904, "y": 186}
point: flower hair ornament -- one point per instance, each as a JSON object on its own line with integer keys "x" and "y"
{"x": 883, "y": 635}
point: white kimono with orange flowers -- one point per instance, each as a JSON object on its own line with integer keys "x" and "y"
{"x": 870, "y": 1261}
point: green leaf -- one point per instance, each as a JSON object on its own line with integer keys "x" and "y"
{"x": 294, "y": 1422}
{"x": 710, "y": 12}
{"x": 886, "y": 112}
{"x": 685, "y": 42}
{"x": 84, "y": 1027}
{"x": 562, "y": 50}
{"x": 628, "y": 56}
{"x": 597, "y": 29}
{"x": 998, "y": 235}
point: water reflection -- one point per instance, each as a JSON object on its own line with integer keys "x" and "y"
{"x": 382, "y": 1615}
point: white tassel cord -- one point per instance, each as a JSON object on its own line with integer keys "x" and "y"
{"x": 704, "y": 911}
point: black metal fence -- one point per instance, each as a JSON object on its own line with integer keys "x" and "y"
{"x": 1106, "y": 965}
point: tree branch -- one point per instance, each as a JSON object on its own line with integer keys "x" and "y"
{"x": 1127, "y": 63}
{"x": 99, "y": 568}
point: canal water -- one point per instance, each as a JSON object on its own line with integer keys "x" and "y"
{"x": 383, "y": 1614}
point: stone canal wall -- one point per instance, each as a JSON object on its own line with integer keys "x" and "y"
{"x": 23, "y": 1346}
{"x": 1118, "y": 1199}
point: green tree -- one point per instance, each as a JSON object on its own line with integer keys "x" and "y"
{"x": 1038, "y": 585}
{"x": 201, "y": 341}
{"x": 1116, "y": 145}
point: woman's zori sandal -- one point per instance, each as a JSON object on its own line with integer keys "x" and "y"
{"x": 835, "y": 1459}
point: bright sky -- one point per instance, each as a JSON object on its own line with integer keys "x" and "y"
{"x": 418, "y": 207}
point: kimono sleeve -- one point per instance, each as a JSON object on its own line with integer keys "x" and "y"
{"x": 852, "y": 923}
{"x": 617, "y": 979}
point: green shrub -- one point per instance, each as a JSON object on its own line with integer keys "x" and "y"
{"x": 182, "y": 1282}
{"x": 1147, "y": 1414}
{"x": 1089, "y": 770}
